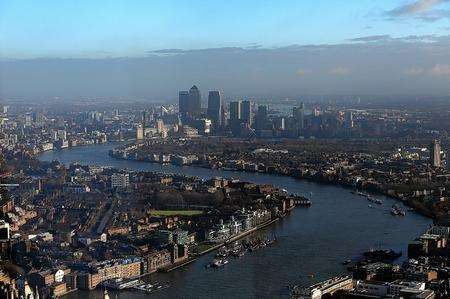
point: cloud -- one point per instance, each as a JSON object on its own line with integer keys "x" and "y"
{"x": 254, "y": 46}
{"x": 425, "y": 10}
{"x": 339, "y": 71}
{"x": 302, "y": 72}
{"x": 438, "y": 70}
{"x": 167, "y": 51}
{"x": 434, "y": 15}
{"x": 385, "y": 38}
{"x": 265, "y": 72}
{"x": 416, "y": 7}
{"x": 371, "y": 38}
{"x": 414, "y": 71}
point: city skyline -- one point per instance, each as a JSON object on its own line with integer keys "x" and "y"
{"x": 206, "y": 149}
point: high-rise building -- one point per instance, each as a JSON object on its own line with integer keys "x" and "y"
{"x": 224, "y": 116}
{"x": 139, "y": 132}
{"x": 215, "y": 107}
{"x": 435, "y": 153}
{"x": 246, "y": 113}
{"x": 189, "y": 102}
{"x": 298, "y": 113}
{"x": 262, "y": 118}
{"x": 235, "y": 111}
{"x": 348, "y": 119}
{"x": 183, "y": 102}
{"x": 279, "y": 123}
{"x": 195, "y": 105}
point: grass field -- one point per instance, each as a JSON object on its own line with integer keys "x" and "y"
{"x": 176, "y": 212}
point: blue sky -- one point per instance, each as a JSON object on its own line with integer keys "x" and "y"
{"x": 247, "y": 48}
{"x": 131, "y": 28}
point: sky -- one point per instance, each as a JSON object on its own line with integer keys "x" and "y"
{"x": 152, "y": 49}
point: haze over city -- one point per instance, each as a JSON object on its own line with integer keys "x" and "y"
{"x": 151, "y": 49}
{"x": 225, "y": 149}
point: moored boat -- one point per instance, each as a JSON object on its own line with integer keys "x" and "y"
{"x": 219, "y": 263}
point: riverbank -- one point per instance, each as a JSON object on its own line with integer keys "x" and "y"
{"x": 338, "y": 226}
{"x": 417, "y": 209}
{"x": 219, "y": 245}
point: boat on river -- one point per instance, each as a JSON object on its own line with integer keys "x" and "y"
{"x": 397, "y": 211}
{"x": 223, "y": 252}
{"x": 346, "y": 262}
{"x": 151, "y": 288}
{"x": 120, "y": 283}
{"x": 217, "y": 263}
{"x": 382, "y": 255}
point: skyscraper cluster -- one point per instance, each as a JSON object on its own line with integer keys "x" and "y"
{"x": 242, "y": 118}
{"x": 190, "y": 108}
{"x": 190, "y": 102}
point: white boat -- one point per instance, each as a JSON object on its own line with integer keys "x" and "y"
{"x": 219, "y": 263}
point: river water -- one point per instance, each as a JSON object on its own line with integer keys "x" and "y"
{"x": 338, "y": 226}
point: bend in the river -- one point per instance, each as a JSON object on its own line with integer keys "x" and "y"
{"x": 338, "y": 226}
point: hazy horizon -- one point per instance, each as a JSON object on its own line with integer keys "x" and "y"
{"x": 252, "y": 49}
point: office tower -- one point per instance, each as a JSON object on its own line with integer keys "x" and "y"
{"x": 348, "y": 119}
{"x": 224, "y": 116}
{"x": 194, "y": 106}
{"x": 279, "y": 123}
{"x": 183, "y": 102}
{"x": 139, "y": 132}
{"x": 235, "y": 111}
{"x": 215, "y": 107}
{"x": 435, "y": 153}
{"x": 298, "y": 113}
{"x": 246, "y": 113}
{"x": 262, "y": 118}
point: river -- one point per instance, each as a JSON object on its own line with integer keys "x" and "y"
{"x": 338, "y": 226}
